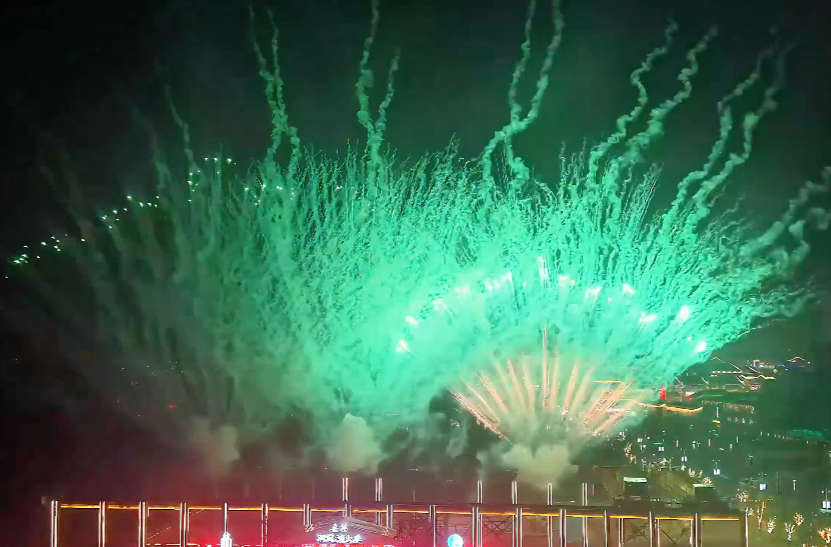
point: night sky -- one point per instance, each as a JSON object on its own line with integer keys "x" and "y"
{"x": 73, "y": 70}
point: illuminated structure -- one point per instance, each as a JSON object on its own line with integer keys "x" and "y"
{"x": 377, "y": 520}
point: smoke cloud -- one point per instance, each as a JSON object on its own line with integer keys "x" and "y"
{"x": 353, "y": 447}
{"x": 216, "y": 445}
{"x": 548, "y": 464}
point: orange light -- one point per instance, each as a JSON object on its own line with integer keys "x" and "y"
{"x": 412, "y": 511}
{"x": 674, "y": 408}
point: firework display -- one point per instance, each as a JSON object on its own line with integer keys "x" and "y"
{"x": 359, "y": 286}
{"x": 516, "y": 408}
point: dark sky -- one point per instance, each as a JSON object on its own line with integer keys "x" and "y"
{"x": 69, "y": 66}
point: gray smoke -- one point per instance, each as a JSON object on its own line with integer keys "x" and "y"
{"x": 547, "y": 464}
{"x": 353, "y": 447}
{"x": 216, "y": 445}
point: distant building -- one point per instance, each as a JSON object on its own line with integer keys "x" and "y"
{"x": 796, "y": 364}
